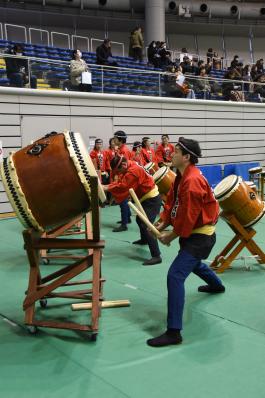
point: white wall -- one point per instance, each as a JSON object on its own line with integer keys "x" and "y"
{"x": 228, "y": 132}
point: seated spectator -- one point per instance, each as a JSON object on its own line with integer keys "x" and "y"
{"x": 202, "y": 64}
{"x": 17, "y": 69}
{"x": 210, "y": 55}
{"x": 165, "y": 55}
{"x": 235, "y": 62}
{"x": 151, "y": 51}
{"x": 232, "y": 90}
{"x": 202, "y": 85}
{"x": 260, "y": 67}
{"x": 169, "y": 83}
{"x": 187, "y": 66}
{"x": 78, "y": 77}
{"x": 104, "y": 55}
{"x": 213, "y": 59}
{"x": 184, "y": 53}
{"x": 260, "y": 88}
{"x": 246, "y": 76}
{"x": 137, "y": 43}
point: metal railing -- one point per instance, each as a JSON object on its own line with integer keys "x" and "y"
{"x": 45, "y": 73}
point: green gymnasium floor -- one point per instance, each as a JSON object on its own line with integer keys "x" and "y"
{"x": 223, "y": 353}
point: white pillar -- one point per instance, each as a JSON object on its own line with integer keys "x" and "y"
{"x": 154, "y": 21}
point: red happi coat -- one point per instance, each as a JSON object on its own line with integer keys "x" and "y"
{"x": 148, "y": 155}
{"x": 164, "y": 153}
{"x": 137, "y": 157}
{"x": 124, "y": 151}
{"x": 135, "y": 177}
{"x": 99, "y": 159}
{"x": 190, "y": 203}
{"x": 109, "y": 155}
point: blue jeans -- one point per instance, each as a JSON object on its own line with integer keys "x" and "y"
{"x": 125, "y": 212}
{"x": 178, "y": 272}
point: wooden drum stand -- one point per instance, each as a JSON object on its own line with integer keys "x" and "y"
{"x": 244, "y": 238}
{"x": 43, "y": 288}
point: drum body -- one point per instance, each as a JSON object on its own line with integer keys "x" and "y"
{"x": 237, "y": 197}
{"x": 48, "y": 182}
{"x": 151, "y": 168}
{"x": 164, "y": 178}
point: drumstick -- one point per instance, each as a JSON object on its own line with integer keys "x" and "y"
{"x": 145, "y": 220}
{"x": 137, "y": 201}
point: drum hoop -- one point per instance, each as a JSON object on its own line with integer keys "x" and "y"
{"x": 255, "y": 170}
{"x": 83, "y": 164}
{"x": 261, "y": 214}
{"x": 157, "y": 181}
{"x": 149, "y": 166}
{"x": 228, "y": 192}
{"x": 16, "y": 195}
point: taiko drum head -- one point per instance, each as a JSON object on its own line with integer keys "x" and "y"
{"x": 48, "y": 182}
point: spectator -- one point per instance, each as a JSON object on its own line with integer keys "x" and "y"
{"x": 17, "y": 69}
{"x": 260, "y": 67}
{"x": 104, "y": 55}
{"x": 137, "y": 43}
{"x": 210, "y": 55}
{"x": 151, "y": 51}
{"x": 165, "y": 55}
{"x": 235, "y": 62}
{"x": 78, "y": 67}
{"x": 187, "y": 66}
{"x": 203, "y": 85}
{"x": 246, "y": 76}
{"x": 169, "y": 85}
{"x": 232, "y": 90}
{"x": 184, "y": 53}
{"x": 260, "y": 88}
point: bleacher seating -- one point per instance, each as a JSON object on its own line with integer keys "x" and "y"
{"x": 212, "y": 173}
{"x": 240, "y": 169}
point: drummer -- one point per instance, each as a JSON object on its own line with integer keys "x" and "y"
{"x": 120, "y": 138}
{"x": 136, "y": 153}
{"x": 134, "y": 176}
{"x": 193, "y": 212}
{"x": 148, "y": 153}
{"x": 164, "y": 152}
{"x": 99, "y": 159}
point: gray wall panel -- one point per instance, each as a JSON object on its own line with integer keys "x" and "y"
{"x": 228, "y": 132}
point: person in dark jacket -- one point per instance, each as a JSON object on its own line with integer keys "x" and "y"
{"x": 17, "y": 69}
{"x": 104, "y": 55}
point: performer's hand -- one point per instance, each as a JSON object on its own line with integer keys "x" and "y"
{"x": 105, "y": 188}
{"x": 167, "y": 237}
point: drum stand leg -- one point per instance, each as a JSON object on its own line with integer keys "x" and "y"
{"x": 43, "y": 288}
{"x": 245, "y": 238}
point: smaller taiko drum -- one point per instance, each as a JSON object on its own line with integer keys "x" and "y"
{"x": 151, "y": 168}
{"x": 236, "y": 197}
{"x": 252, "y": 185}
{"x": 164, "y": 178}
{"x": 254, "y": 170}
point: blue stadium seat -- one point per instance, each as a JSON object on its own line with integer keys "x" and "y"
{"x": 212, "y": 173}
{"x": 240, "y": 169}
{"x": 4, "y": 81}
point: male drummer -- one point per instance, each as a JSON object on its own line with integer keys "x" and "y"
{"x": 120, "y": 138}
{"x": 134, "y": 176}
{"x": 164, "y": 152}
{"x": 192, "y": 211}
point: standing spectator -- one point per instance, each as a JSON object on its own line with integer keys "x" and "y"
{"x": 235, "y": 62}
{"x": 165, "y": 151}
{"x": 17, "y": 69}
{"x": 151, "y": 51}
{"x": 104, "y": 55}
{"x": 77, "y": 67}
{"x": 165, "y": 55}
{"x": 184, "y": 53}
{"x": 137, "y": 44}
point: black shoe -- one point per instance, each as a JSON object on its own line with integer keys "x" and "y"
{"x": 139, "y": 242}
{"x": 153, "y": 261}
{"x": 211, "y": 289}
{"x": 129, "y": 222}
{"x": 165, "y": 339}
{"x": 120, "y": 228}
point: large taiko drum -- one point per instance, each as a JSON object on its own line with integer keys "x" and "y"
{"x": 238, "y": 198}
{"x": 48, "y": 182}
{"x": 164, "y": 178}
{"x": 151, "y": 168}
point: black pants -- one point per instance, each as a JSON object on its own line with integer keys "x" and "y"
{"x": 137, "y": 54}
{"x": 151, "y": 208}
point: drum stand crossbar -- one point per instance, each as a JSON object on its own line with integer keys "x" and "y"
{"x": 42, "y": 288}
{"x": 243, "y": 239}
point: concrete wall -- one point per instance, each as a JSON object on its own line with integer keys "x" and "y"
{"x": 228, "y": 132}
